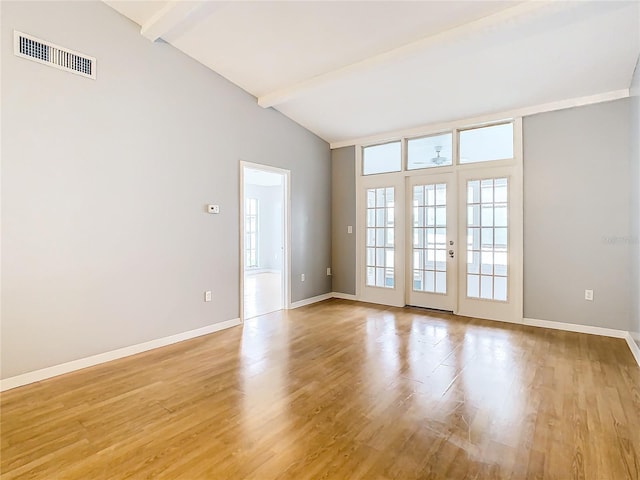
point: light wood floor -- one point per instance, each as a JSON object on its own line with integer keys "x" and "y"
{"x": 339, "y": 390}
{"x": 262, "y": 293}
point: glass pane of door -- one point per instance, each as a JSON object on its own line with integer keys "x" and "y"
{"x": 429, "y": 233}
{"x": 431, "y": 265}
{"x": 487, "y": 239}
{"x": 380, "y": 241}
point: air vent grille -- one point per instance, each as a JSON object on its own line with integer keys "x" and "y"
{"x": 47, "y": 53}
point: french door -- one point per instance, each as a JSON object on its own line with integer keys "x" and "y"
{"x": 432, "y": 241}
{"x": 448, "y": 241}
{"x": 382, "y": 235}
{"x": 490, "y": 223}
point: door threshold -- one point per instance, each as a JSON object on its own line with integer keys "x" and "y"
{"x": 429, "y": 309}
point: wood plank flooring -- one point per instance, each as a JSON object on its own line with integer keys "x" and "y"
{"x": 262, "y": 293}
{"x": 339, "y": 390}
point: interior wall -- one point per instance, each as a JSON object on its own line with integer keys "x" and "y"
{"x": 576, "y": 215}
{"x": 106, "y": 241}
{"x": 270, "y": 224}
{"x": 634, "y": 240}
{"x": 343, "y": 214}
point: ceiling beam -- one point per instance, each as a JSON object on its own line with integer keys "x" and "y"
{"x": 517, "y": 12}
{"x": 171, "y": 16}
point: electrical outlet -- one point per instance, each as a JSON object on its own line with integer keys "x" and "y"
{"x": 349, "y": 229}
{"x": 328, "y": 271}
{"x": 302, "y": 277}
{"x": 207, "y": 296}
{"x": 588, "y": 295}
{"x": 213, "y": 208}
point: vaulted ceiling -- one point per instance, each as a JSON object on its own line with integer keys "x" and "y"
{"x": 347, "y": 69}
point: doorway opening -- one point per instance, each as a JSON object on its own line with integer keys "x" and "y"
{"x": 264, "y": 239}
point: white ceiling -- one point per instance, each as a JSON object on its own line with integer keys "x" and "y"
{"x": 347, "y": 70}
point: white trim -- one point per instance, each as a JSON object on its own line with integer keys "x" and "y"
{"x": 360, "y": 217}
{"x": 492, "y": 117}
{"x": 44, "y": 373}
{"x": 633, "y": 346}
{"x": 310, "y": 300}
{"x": 289, "y": 92}
{"x": 574, "y": 327}
{"x": 344, "y": 296}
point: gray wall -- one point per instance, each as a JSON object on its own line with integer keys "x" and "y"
{"x": 270, "y": 218}
{"x": 343, "y": 214}
{"x": 634, "y": 242}
{"x": 105, "y": 239}
{"x": 576, "y": 215}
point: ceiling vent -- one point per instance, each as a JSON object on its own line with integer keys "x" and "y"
{"x": 47, "y": 53}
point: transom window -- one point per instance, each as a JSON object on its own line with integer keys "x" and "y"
{"x": 485, "y": 144}
{"x": 429, "y": 152}
{"x": 476, "y": 144}
{"x": 383, "y": 158}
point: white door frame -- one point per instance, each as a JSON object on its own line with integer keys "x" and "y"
{"x": 286, "y": 233}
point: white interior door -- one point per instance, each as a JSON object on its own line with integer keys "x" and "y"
{"x": 381, "y": 234}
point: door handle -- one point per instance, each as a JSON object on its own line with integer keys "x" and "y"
{"x": 451, "y": 253}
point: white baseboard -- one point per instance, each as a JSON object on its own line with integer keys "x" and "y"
{"x": 574, "y": 327}
{"x": 309, "y": 301}
{"x": 344, "y": 296}
{"x": 604, "y": 332}
{"x": 633, "y": 346}
{"x": 321, "y": 298}
{"x": 42, "y": 374}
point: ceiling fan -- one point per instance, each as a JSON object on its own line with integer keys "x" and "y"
{"x": 437, "y": 160}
